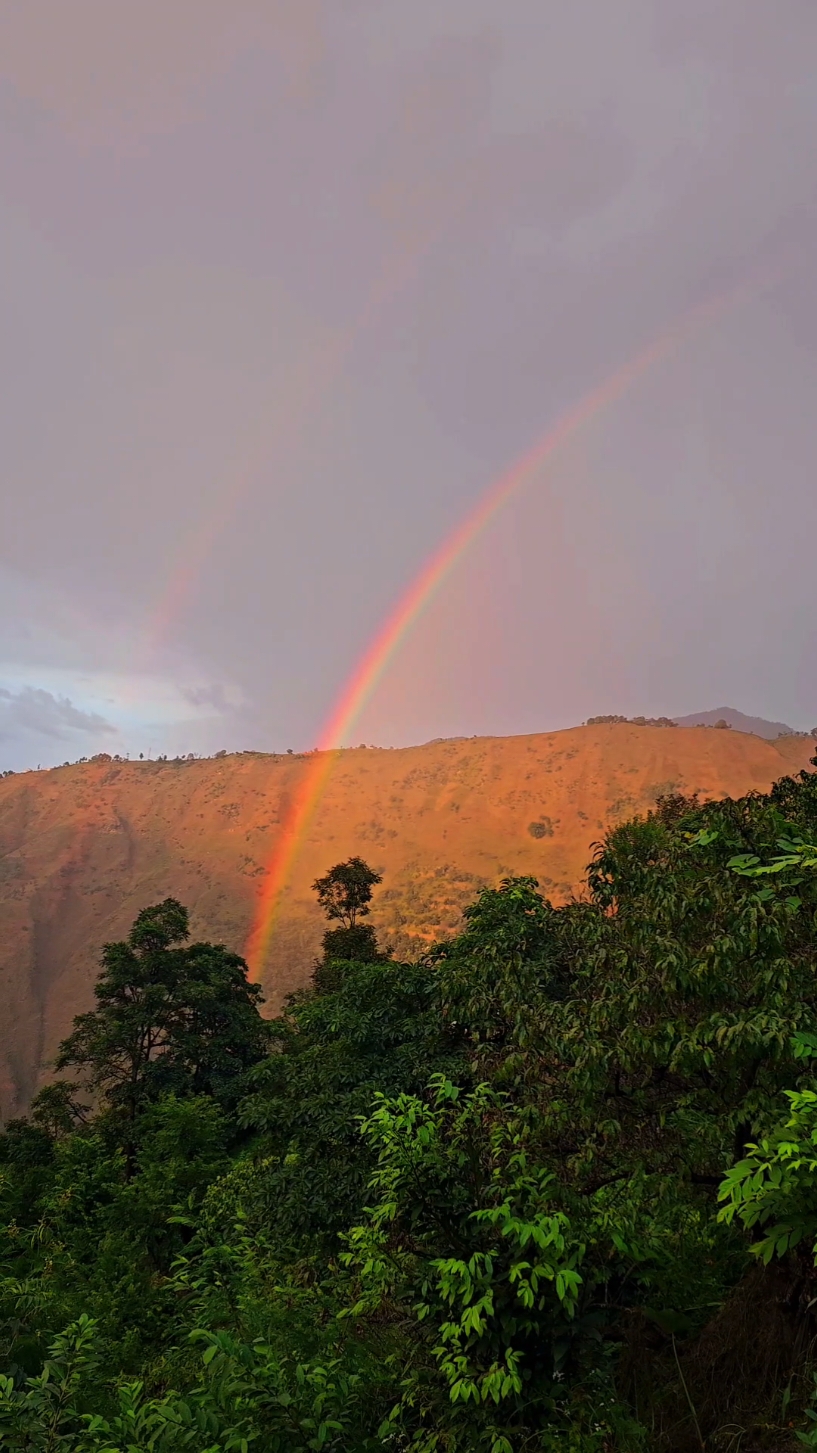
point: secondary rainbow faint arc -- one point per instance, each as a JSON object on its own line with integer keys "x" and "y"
{"x": 327, "y": 368}
{"x": 419, "y": 594}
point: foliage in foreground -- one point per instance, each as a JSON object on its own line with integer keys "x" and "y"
{"x": 439, "y": 1206}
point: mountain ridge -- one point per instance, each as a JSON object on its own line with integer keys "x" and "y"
{"x": 757, "y": 726}
{"x": 83, "y": 848}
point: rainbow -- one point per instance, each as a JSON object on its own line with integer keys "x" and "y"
{"x": 308, "y": 385}
{"x": 419, "y": 595}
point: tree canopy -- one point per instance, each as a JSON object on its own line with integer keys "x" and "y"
{"x": 551, "y": 1187}
{"x": 345, "y": 892}
{"x": 169, "y": 1016}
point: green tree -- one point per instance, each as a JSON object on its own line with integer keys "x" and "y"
{"x": 466, "y": 1239}
{"x": 515, "y": 953}
{"x": 345, "y": 892}
{"x": 244, "y": 1396}
{"x": 43, "y": 1416}
{"x": 469, "y": 1189}
{"x": 379, "y": 1029}
{"x": 57, "y": 1110}
{"x": 168, "y": 1017}
{"x": 775, "y": 1186}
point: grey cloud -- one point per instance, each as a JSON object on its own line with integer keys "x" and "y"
{"x": 447, "y": 166}
{"x": 212, "y": 696}
{"x": 34, "y": 710}
{"x": 109, "y": 81}
{"x": 284, "y": 345}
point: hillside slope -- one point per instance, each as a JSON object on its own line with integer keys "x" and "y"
{"x": 83, "y": 848}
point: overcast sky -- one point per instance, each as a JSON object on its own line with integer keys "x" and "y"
{"x": 285, "y": 285}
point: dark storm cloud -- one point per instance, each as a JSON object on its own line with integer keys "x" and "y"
{"x": 34, "y": 710}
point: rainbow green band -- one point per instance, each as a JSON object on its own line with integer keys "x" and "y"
{"x": 420, "y": 593}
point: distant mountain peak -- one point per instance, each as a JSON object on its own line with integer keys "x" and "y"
{"x": 756, "y": 725}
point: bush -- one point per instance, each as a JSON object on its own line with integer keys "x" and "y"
{"x": 542, "y": 828}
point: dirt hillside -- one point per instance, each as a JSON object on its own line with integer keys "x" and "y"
{"x": 83, "y": 848}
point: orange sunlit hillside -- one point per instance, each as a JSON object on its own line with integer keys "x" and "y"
{"x": 83, "y": 848}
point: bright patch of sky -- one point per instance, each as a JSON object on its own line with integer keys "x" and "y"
{"x": 60, "y": 698}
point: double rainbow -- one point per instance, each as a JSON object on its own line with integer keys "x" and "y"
{"x": 419, "y": 595}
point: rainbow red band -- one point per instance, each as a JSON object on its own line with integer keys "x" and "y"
{"x": 418, "y": 596}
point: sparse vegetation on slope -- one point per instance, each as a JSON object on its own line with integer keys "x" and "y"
{"x": 84, "y": 848}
